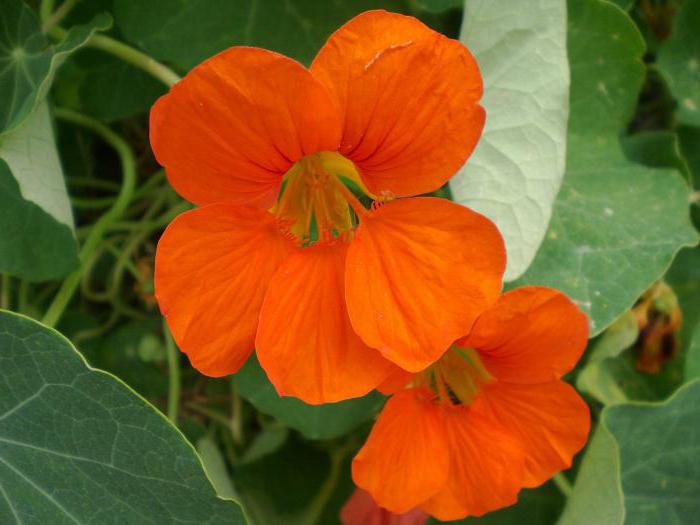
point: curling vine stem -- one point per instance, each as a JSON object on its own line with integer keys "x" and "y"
{"x": 173, "y": 375}
{"x": 128, "y": 54}
{"x": 94, "y": 238}
{"x": 563, "y": 484}
{"x": 54, "y": 18}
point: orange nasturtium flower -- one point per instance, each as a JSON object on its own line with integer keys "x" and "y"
{"x": 490, "y": 417}
{"x": 281, "y": 255}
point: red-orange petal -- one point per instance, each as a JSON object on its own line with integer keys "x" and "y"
{"x": 405, "y": 460}
{"x": 486, "y": 467}
{"x": 419, "y": 273}
{"x": 396, "y": 381}
{"x": 213, "y": 265}
{"x": 361, "y": 509}
{"x": 409, "y": 97}
{"x": 550, "y": 420}
{"x": 231, "y": 128}
{"x": 531, "y": 335}
{"x": 305, "y": 341}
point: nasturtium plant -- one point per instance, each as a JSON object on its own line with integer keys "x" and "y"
{"x": 350, "y": 262}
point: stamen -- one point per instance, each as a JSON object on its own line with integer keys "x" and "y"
{"x": 349, "y": 196}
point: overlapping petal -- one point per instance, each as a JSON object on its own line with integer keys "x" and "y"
{"x": 409, "y": 99}
{"x": 419, "y": 273}
{"x": 486, "y": 467}
{"x": 305, "y": 341}
{"x": 213, "y": 265}
{"x": 550, "y": 420}
{"x": 531, "y": 335}
{"x": 406, "y": 458}
{"x": 237, "y": 122}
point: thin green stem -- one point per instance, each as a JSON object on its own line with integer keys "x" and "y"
{"x": 563, "y": 484}
{"x": 58, "y": 15}
{"x": 94, "y": 238}
{"x": 135, "y": 57}
{"x": 208, "y": 412}
{"x": 173, "y": 375}
{"x": 23, "y": 297}
{"x": 5, "y": 292}
{"x": 128, "y": 54}
{"x": 45, "y": 9}
{"x": 236, "y": 414}
{"x": 324, "y": 494}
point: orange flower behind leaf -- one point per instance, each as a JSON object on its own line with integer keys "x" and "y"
{"x": 281, "y": 255}
{"x": 490, "y": 417}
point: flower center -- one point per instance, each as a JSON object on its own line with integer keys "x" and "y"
{"x": 316, "y": 200}
{"x": 457, "y": 377}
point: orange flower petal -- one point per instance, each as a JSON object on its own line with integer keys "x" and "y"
{"x": 409, "y": 97}
{"x": 531, "y": 335}
{"x": 397, "y": 380}
{"x": 486, "y": 467}
{"x": 419, "y": 273}
{"x": 406, "y": 458}
{"x": 361, "y": 509}
{"x": 213, "y": 265}
{"x": 305, "y": 342}
{"x": 237, "y": 122}
{"x": 550, "y": 420}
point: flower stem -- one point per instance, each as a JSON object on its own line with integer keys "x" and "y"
{"x": 135, "y": 57}
{"x": 236, "y": 415}
{"x": 94, "y": 238}
{"x": 53, "y": 19}
{"x": 563, "y": 484}
{"x": 173, "y": 375}
{"x": 45, "y": 9}
{"x": 128, "y": 54}
{"x": 5, "y": 292}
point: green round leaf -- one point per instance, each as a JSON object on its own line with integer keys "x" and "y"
{"x": 78, "y": 446}
{"x": 616, "y": 225}
{"x": 515, "y": 172}
{"x": 641, "y": 467}
{"x": 679, "y": 62}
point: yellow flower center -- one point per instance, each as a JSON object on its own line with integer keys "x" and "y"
{"x": 316, "y": 200}
{"x": 457, "y": 377}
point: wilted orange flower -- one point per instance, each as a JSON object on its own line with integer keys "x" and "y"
{"x": 489, "y": 418}
{"x": 281, "y": 255}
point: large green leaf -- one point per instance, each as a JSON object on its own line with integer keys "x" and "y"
{"x": 185, "y": 32}
{"x": 314, "y": 421}
{"x": 679, "y": 62}
{"x": 515, "y": 172}
{"x": 641, "y": 467}
{"x": 37, "y": 242}
{"x": 78, "y": 446}
{"x": 27, "y": 61}
{"x": 616, "y": 225}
